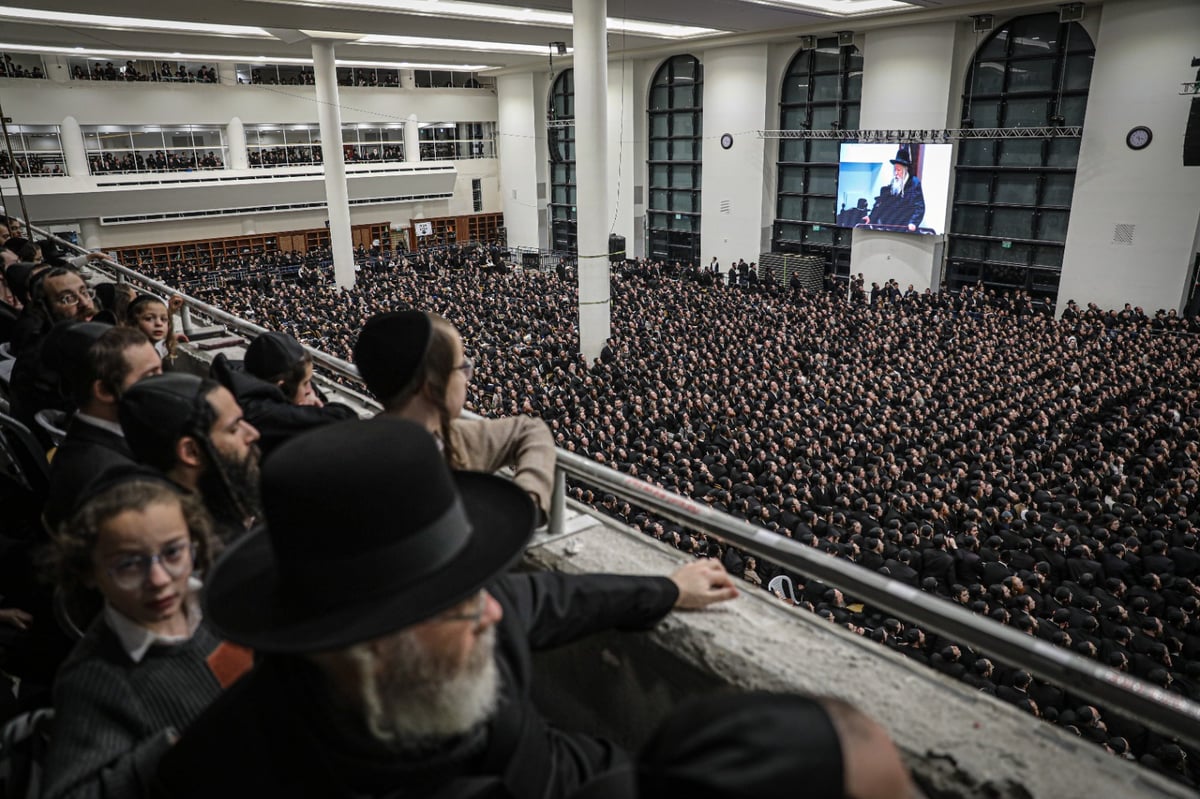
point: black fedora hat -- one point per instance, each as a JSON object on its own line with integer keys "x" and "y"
{"x": 367, "y": 532}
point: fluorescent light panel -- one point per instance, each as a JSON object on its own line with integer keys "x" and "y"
{"x": 453, "y": 44}
{"x": 513, "y": 15}
{"x": 37, "y": 15}
{"x": 85, "y": 52}
{"x": 839, "y": 8}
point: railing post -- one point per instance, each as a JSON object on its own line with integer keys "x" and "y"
{"x": 185, "y": 316}
{"x": 558, "y": 502}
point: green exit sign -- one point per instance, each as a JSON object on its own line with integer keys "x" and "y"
{"x": 1006, "y": 245}
{"x": 816, "y": 228}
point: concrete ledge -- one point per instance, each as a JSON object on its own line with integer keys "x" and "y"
{"x": 958, "y": 742}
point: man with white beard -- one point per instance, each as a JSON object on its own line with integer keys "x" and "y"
{"x": 901, "y": 204}
{"x": 395, "y": 647}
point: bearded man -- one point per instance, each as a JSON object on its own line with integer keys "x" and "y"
{"x": 901, "y": 203}
{"x": 394, "y": 645}
{"x": 193, "y": 431}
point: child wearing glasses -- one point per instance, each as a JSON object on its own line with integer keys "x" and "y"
{"x": 146, "y": 666}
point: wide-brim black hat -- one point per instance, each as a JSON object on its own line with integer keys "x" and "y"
{"x": 367, "y": 532}
{"x": 903, "y": 156}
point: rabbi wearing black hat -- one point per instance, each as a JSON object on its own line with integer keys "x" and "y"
{"x": 275, "y": 389}
{"x": 901, "y": 203}
{"x": 193, "y": 431}
{"x": 394, "y": 646}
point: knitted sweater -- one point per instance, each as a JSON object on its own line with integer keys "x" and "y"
{"x": 114, "y": 718}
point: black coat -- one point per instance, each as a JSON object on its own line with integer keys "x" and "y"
{"x": 86, "y": 453}
{"x": 265, "y": 407}
{"x": 275, "y": 733}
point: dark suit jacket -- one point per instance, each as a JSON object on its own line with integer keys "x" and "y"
{"x": 86, "y": 453}
{"x": 276, "y": 732}
{"x": 271, "y": 413}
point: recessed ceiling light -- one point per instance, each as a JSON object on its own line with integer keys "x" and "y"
{"x": 508, "y": 14}
{"x": 452, "y": 44}
{"x": 105, "y": 53}
{"x": 839, "y": 8}
{"x": 38, "y": 15}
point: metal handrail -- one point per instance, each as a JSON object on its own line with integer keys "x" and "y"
{"x": 1162, "y": 711}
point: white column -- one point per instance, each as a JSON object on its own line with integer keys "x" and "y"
{"x": 57, "y": 69}
{"x": 591, "y": 174}
{"x": 235, "y": 137}
{"x": 412, "y": 139}
{"x": 249, "y": 226}
{"x": 408, "y": 79}
{"x": 89, "y": 233}
{"x": 74, "y": 153}
{"x": 337, "y": 197}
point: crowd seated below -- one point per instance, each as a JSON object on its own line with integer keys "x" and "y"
{"x": 1039, "y": 471}
{"x": 206, "y": 609}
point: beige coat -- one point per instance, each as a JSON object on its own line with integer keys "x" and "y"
{"x": 520, "y": 442}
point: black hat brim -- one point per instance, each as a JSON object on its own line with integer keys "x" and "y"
{"x": 246, "y": 603}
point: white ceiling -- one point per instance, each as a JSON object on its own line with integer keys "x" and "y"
{"x": 767, "y": 19}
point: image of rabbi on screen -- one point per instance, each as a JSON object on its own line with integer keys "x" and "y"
{"x": 900, "y": 203}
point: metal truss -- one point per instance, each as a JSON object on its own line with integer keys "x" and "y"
{"x": 929, "y": 136}
{"x": 1190, "y": 88}
{"x": 560, "y": 123}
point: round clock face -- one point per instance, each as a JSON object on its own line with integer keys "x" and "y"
{"x": 1138, "y": 138}
{"x": 726, "y": 140}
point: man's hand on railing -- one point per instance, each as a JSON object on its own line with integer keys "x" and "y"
{"x": 702, "y": 583}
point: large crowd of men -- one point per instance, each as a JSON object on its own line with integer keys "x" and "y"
{"x": 1040, "y": 471}
{"x": 404, "y": 662}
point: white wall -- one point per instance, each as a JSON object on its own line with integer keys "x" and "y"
{"x": 643, "y": 74}
{"x": 624, "y": 149}
{"x": 907, "y": 77}
{"x": 1143, "y": 53}
{"x": 735, "y": 102}
{"x": 519, "y": 123}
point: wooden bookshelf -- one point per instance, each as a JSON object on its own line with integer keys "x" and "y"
{"x": 212, "y": 250}
{"x": 483, "y": 228}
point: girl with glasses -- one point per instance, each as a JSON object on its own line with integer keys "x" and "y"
{"x": 146, "y": 666}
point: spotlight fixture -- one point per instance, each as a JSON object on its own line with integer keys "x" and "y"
{"x": 835, "y": 125}
{"x": 808, "y": 42}
{"x": 559, "y": 47}
{"x": 967, "y": 124}
{"x": 1071, "y": 12}
{"x": 845, "y": 38}
{"x": 1057, "y": 120}
{"x": 982, "y": 23}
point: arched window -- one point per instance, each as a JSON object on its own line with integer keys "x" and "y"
{"x": 1012, "y": 196}
{"x": 560, "y": 137}
{"x": 822, "y": 90}
{"x": 676, "y": 117}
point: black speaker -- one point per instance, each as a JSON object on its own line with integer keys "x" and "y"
{"x": 530, "y": 260}
{"x": 1191, "y": 139}
{"x": 616, "y": 248}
